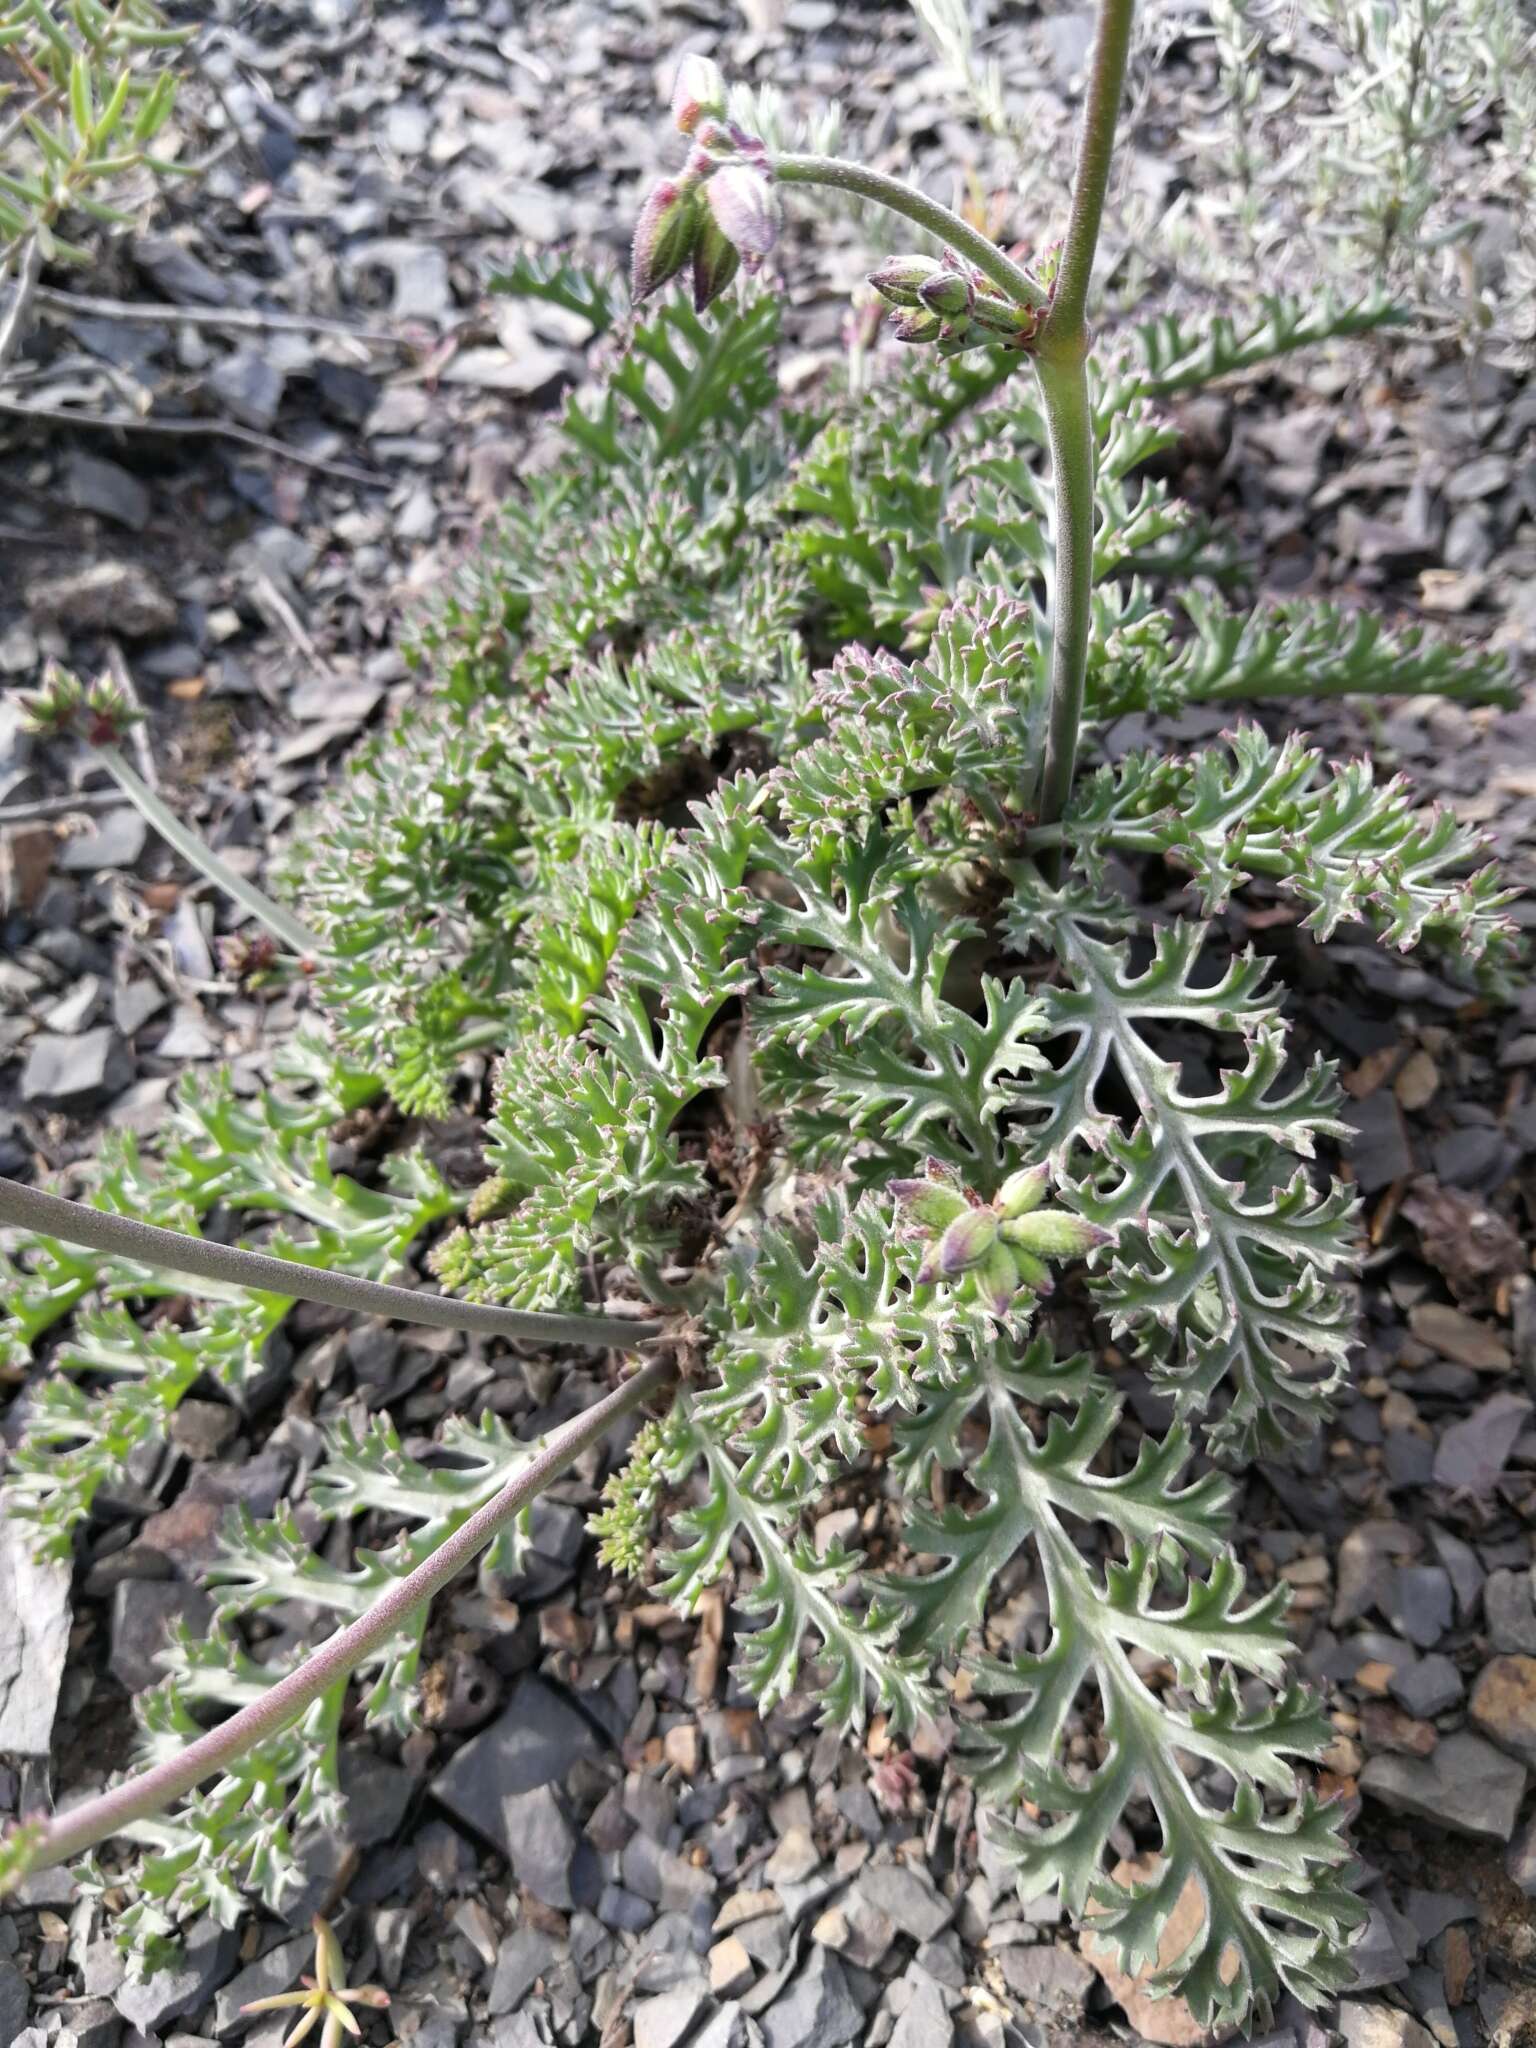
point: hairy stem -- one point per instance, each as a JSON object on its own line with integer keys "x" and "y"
{"x": 152, "y": 1791}
{"x": 1065, "y": 324}
{"x": 1062, "y": 358}
{"x": 1069, "y": 429}
{"x": 279, "y": 921}
{"x": 99, "y": 1230}
{"x": 915, "y": 206}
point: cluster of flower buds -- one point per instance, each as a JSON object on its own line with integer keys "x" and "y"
{"x": 949, "y": 302}
{"x": 248, "y": 959}
{"x": 998, "y": 1248}
{"x": 66, "y": 708}
{"x": 720, "y": 211}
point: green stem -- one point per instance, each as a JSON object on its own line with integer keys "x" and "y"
{"x": 926, "y": 213}
{"x": 197, "y": 853}
{"x": 152, "y": 1791}
{"x": 494, "y": 1031}
{"x": 1069, "y": 430}
{"x": 1065, "y": 324}
{"x": 1061, "y": 358}
{"x": 124, "y": 1237}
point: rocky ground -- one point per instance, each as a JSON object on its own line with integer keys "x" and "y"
{"x": 665, "y": 1863}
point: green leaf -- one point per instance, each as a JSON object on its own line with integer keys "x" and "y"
{"x": 1176, "y": 357}
{"x": 877, "y": 1046}
{"x": 1271, "y": 1894}
{"x": 970, "y": 712}
{"x": 796, "y": 1593}
{"x": 81, "y": 104}
{"x": 1225, "y": 1281}
{"x": 684, "y": 375}
{"x": 592, "y": 295}
{"x": 1335, "y": 839}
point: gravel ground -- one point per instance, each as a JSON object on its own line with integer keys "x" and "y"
{"x": 665, "y": 1867}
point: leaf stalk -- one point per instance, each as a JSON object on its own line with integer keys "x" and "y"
{"x": 149, "y": 1792}
{"x": 280, "y": 921}
{"x": 124, "y": 1237}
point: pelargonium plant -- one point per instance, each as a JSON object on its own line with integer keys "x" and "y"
{"x": 845, "y": 1075}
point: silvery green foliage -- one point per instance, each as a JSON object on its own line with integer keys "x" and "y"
{"x": 717, "y": 822}
{"x": 1382, "y": 136}
{"x": 89, "y": 89}
{"x": 267, "y": 1155}
{"x": 1389, "y": 140}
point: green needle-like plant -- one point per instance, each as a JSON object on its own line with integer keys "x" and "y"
{"x": 842, "y": 1068}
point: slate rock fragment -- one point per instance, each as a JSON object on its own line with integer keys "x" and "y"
{"x": 115, "y": 841}
{"x": 106, "y": 596}
{"x": 143, "y": 1611}
{"x": 276, "y": 1971}
{"x": 78, "y": 1073}
{"x": 1428, "y": 1687}
{"x": 908, "y": 1895}
{"x": 816, "y": 2010}
{"x": 1421, "y": 1606}
{"x": 15, "y": 2001}
{"x": 1503, "y": 1705}
{"x": 95, "y": 485}
{"x": 206, "y": 1958}
{"x": 534, "y": 1741}
{"x": 34, "y": 1642}
{"x": 1509, "y": 1612}
{"x": 1472, "y": 1453}
{"x": 1465, "y": 1785}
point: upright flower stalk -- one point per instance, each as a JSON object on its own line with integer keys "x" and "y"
{"x": 978, "y": 296}
{"x": 1061, "y": 357}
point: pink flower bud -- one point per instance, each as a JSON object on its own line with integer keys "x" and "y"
{"x": 900, "y": 279}
{"x": 1055, "y": 1233}
{"x": 929, "y": 1202}
{"x": 699, "y": 91}
{"x": 918, "y": 325}
{"x": 715, "y": 263}
{"x": 947, "y": 293}
{"x": 742, "y": 199}
{"x": 967, "y": 1241}
{"x": 665, "y": 234}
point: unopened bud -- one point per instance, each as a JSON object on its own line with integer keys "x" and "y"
{"x": 65, "y": 709}
{"x": 715, "y": 262}
{"x": 1055, "y": 1233}
{"x": 998, "y": 1279}
{"x": 948, "y": 293}
{"x": 1033, "y": 1273}
{"x": 665, "y": 234}
{"x": 1022, "y": 1191}
{"x": 929, "y": 1202}
{"x": 967, "y": 1241}
{"x": 1000, "y": 316}
{"x": 918, "y": 325}
{"x": 742, "y": 199}
{"x": 699, "y": 92}
{"x": 900, "y": 279}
